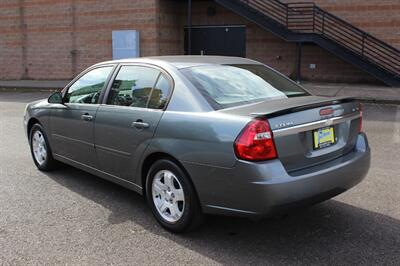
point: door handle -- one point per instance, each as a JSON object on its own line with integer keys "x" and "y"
{"x": 87, "y": 117}
{"x": 139, "y": 124}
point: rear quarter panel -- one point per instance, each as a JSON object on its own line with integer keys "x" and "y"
{"x": 198, "y": 138}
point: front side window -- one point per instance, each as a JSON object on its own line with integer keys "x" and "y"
{"x": 87, "y": 88}
{"x": 233, "y": 85}
{"x": 134, "y": 86}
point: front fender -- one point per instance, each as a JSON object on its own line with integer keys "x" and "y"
{"x": 40, "y": 111}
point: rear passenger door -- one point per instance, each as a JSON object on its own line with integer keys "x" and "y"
{"x": 128, "y": 117}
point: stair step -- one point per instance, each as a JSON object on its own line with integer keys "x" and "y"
{"x": 373, "y": 56}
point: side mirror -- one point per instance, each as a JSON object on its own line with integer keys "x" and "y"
{"x": 56, "y": 97}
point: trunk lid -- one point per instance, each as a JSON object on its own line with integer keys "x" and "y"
{"x": 299, "y": 125}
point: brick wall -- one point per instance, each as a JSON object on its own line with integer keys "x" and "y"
{"x": 47, "y": 39}
{"x": 10, "y": 41}
{"x": 266, "y": 47}
{"x": 171, "y": 22}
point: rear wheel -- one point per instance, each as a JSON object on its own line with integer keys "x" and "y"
{"x": 40, "y": 149}
{"x": 172, "y": 197}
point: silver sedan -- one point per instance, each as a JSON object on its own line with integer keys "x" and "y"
{"x": 199, "y": 134}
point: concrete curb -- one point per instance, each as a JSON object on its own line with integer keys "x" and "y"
{"x": 33, "y": 84}
{"x": 22, "y": 90}
{"x": 364, "y": 93}
{"x": 361, "y": 92}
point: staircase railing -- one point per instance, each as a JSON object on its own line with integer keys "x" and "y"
{"x": 307, "y": 18}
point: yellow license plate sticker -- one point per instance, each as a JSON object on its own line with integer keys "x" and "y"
{"x": 323, "y": 137}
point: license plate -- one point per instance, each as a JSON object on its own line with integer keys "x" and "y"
{"x": 323, "y": 137}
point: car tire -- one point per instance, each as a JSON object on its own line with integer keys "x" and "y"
{"x": 40, "y": 149}
{"x": 174, "y": 203}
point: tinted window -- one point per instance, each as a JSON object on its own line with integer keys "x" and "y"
{"x": 133, "y": 86}
{"x": 160, "y": 93}
{"x": 87, "y": 89}
{"x": 231, "y": 85}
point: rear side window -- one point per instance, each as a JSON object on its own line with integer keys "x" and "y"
{"x": 159, "y": 96}
{"x": 137, "y": 86}
{"x": 87, "y": 88}
{"x": 233, "y": 85}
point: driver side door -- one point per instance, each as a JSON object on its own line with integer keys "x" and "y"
{"x": 72, "y": 124}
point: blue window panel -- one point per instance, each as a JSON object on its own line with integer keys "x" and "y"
{"x": 125, "y": 44}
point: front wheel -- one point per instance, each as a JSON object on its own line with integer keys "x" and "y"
{"x": 40, "y": 149}
{"x": 172, "y": 197}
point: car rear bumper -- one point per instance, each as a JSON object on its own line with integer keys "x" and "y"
{"x": 261, "y": 189}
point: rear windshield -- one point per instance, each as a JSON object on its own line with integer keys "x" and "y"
{"x": 233, "y": 85}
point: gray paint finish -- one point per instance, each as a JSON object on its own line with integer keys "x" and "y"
{"x": 209, "y": 140}
{"x": 71, "y": 136}
{"x": 202, "y": 140}
{"x": 119, "y": 145}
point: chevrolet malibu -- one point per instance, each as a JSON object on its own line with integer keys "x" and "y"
{"x": 202, "y": 135}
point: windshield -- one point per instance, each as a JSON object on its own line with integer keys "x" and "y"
{"x": 232, "y": 85}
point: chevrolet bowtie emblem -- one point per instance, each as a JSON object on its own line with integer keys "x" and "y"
{"x": 329, "y": 122}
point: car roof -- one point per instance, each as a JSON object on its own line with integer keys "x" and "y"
{"x": 183, "y": 61}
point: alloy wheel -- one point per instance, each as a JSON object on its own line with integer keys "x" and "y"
{"x": 168, "y": 196}
{"x": 39, "y": 147}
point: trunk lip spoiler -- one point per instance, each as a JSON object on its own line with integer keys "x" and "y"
{"x": 315, "y": 125}
{"x": 304, "y": 107}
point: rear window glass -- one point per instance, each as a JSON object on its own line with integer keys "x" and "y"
{"x": 232, "y": 85}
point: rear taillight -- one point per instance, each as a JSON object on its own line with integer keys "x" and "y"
{"x": 361, "y": 114}
{"x": 255, "y": 142}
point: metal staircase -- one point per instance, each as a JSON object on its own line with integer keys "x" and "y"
{"x": 306, "y": 22}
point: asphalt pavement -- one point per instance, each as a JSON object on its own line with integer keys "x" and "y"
{"x": 71, "y": 217}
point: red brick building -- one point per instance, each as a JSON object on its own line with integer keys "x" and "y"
{"x": 56, "y": 39}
